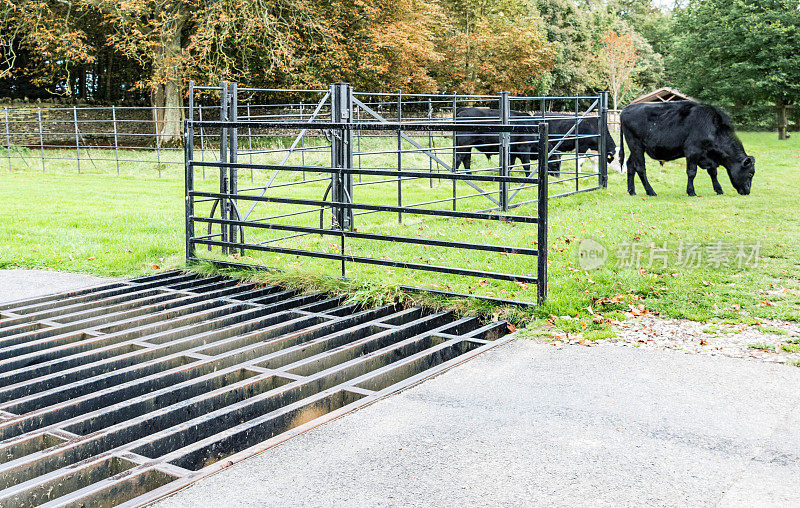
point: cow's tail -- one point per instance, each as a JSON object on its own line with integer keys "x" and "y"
{"x": 621, "y": 146}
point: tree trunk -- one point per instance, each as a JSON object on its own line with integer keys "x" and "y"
{"x": 168, "y": 93}
{"x": 781, "y": 119}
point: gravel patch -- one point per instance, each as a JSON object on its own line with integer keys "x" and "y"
{"x": 770, "y": 341}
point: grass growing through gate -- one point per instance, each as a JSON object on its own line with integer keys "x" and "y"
{"x": 107, "y": 225}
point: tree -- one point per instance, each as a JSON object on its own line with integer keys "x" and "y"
{"x": 620, "y": 57}
{"x": 574, "y": 69}
{"x": 176, "y": 39}
{"x": 492, "y": 45}
{"x": 742, "y": 51}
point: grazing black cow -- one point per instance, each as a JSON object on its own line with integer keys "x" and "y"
{"x": 562, "y": 123}
{"x": 522, "y": 145}
{"x": 671, "y": 130}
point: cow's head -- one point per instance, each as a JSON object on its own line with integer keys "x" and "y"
{"x": 741, "y": 173}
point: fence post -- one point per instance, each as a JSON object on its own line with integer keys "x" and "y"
{"x": 41, "y": 136}
{"x": 77, "y": 141}
{"x": 342, "y": 152}
{"x": 116, "y": 143}
{"x": 577, "y": 143}
{"x": 342, "y": 158}
{"x": 399, "y": 156}
{"x": 505, "y": 148}
{"x": 250, "y": 139}
{"x": 603, "y": 149}
{"x": 188, "y": 157}
{"x": 202, "y": 138}
{"x": 431, "y": 146}
{"x": 158, "y": 139}
{"x": 223, "y": 158}
{"x": 455, "y": 156}
{"x": 233, "y": 156}
{"x": 8, "y": 140}
{"x": 541, "y": 223}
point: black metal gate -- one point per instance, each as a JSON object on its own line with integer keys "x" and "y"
{"x": 383, "y": 141}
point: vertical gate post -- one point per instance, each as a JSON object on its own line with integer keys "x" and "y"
{"x": 233, "y": 157}
{"x": 114, "y": 121}
{"x": 541, "y": 224}
{"x": 223, "y": 158}
{"x": 41, "y": 135}
{"x": 455, "y": 148}
{"x": 399, "y": 156}
{"x": 77, "y": 140}
{"x": 602, "y": 148}
{"x": 342, "y": 154}
{"x": 8, "y": 139}
{"x": 188, "y": 157}
{"x": 505, "y": 148}
{"x": 577, "y": 143}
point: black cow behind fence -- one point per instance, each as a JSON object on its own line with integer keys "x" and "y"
{"x": 671, "y": 130}
{"x": 562, "y": 125}
{"x": 524, "y": 146}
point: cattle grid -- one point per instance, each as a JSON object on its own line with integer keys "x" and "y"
{"x": 124, "y": 392}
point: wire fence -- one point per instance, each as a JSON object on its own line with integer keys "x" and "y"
{"x": 103, "y": 139}
{"x": 124, "y": 139}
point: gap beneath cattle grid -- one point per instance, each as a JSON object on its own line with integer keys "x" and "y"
{"x": 128, "y": 391}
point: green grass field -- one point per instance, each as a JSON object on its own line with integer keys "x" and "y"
{"x": 132, "y": 224}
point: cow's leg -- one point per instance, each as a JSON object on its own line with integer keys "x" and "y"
{"x": 691, "y": 172}
{"x": 464, "y": 157}
{"x": 636, "y": 165}
{"x": 712, "y": 172}
{"x": 643, "y": 177}
{"x": 526, "y": 164}
{"x": 554, "y": 164}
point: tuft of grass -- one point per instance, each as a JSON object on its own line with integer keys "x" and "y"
{"x": 595, "y": 335}
{"x": 772, "y": 330}
{"x": 791, "y": 348}
{"x": 717, "y": 329}
{"x": 762, "y": 346}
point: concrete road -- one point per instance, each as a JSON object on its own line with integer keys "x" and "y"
{"x": 529, "y": 424}
{"x": 20, "y": 284}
